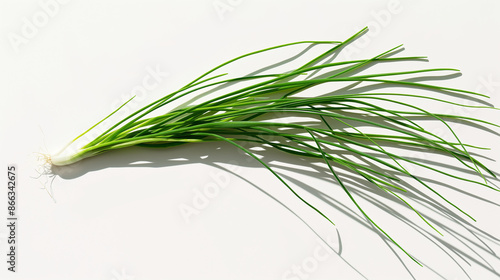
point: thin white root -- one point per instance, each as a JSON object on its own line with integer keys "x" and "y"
{"x": 49, "y": 192}
{"x": 45, "y": 170}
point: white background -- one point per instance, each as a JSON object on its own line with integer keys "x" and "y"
{"x": 116, "y": 221}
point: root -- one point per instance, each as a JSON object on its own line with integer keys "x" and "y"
{"x": 45, "y": 170}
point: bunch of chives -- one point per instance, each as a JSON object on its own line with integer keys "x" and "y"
{"x": 247, "y": 115}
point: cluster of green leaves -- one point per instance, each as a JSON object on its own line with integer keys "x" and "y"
{"x": 248, "y": 115}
